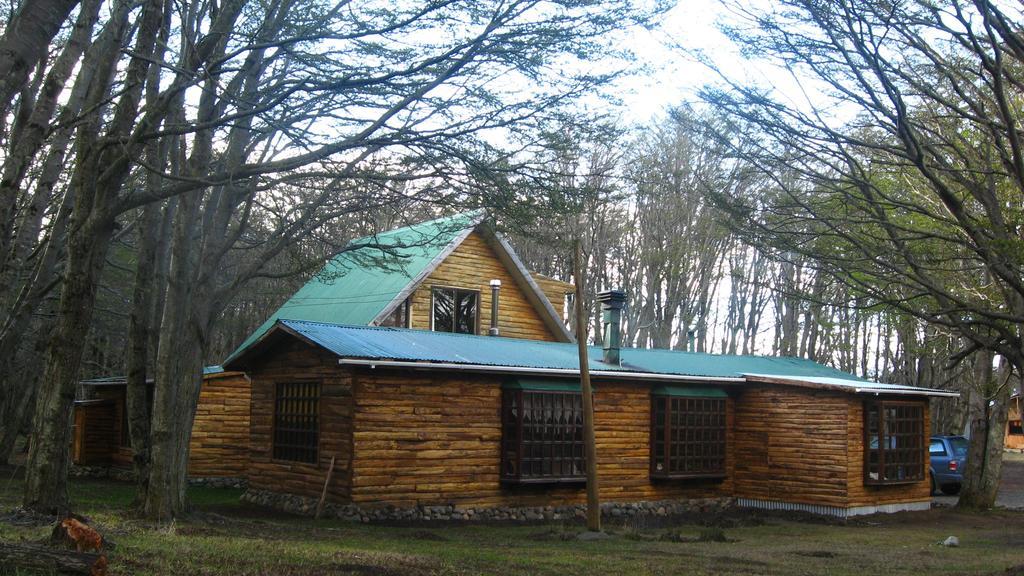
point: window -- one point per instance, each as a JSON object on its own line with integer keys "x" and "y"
{"x": 542, "y": 436}
{"x": 1015, "y": 428}
{"x": 455, "y": 310}
{"x": 936, "y": 447}
{"x": 296, "y": 421}
{"x": 894, "y": 442}
{"x": 688, "y": 436}
{"x": 399, "y": 317}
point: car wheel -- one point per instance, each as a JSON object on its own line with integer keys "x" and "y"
{"x": 933, "y": 484}
{"x": 951, "y": 489}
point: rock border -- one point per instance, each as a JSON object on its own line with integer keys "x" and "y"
{"x": 306, "y": 506}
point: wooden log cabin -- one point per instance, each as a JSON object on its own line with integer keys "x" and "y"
{"x": 219, "y": 448}
{"x": 449, "y": 379}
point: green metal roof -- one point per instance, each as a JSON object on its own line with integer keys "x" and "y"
{"x": 375, "y": 345}
{"x": 359, "y": 284}
{"x": 381, "y": 343}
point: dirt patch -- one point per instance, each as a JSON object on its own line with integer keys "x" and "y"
{"x": 428, "y": 535}
{"x": 552, "y": 535}
{"x": 815, "y": 553}
{"x": 382, "y": 565}
{"x": 363, "y": 570}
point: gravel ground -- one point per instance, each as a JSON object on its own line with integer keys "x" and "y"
{"x": 1011, "y": 485}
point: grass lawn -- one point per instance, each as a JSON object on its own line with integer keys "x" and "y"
{"x": 226, "y": 537}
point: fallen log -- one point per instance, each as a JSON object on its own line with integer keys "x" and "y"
{"x": 52, "y": 559}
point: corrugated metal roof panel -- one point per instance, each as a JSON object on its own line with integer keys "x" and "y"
{"x": 424, "y": 346}
{"x": 355, "y": 286}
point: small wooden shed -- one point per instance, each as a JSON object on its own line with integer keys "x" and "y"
{"x": 220, "y": 434}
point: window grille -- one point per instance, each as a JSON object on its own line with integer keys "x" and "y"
{"x": 894, "y": 442}
{"x": 542, "y": 437}
{"x": 688, "y": 437}
{"x": 297, "y": 421}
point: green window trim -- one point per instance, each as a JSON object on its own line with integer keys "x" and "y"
{"x": 542, "y": 385}
{"x": 688, "y": 392}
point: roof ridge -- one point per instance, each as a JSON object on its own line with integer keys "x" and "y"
{"x": 472, "y": 217}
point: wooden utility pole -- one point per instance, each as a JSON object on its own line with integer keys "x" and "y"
{"x": 589, "y": 442}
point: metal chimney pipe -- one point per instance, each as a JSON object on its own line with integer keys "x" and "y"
{"x": 495, "y": 292}
{"x": 612, "y": 302}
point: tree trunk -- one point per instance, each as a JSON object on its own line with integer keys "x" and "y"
{"x": 137, "y": 402}
{"x": 46, "y": 474}
{"x": 590, "y": 446}
{"x": 988, "y": 428}
{"x": 25, "y": 43}
{"x": 179, "y": 369}
{"x": 51, "y": 560}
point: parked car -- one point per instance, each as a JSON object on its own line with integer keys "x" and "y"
{"x": 948, "y": 458}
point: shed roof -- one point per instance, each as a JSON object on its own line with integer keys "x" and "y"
{"x": 442, "y": 350}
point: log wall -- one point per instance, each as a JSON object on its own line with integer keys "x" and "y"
{"x": 408, "y": 438}
{"x": 427, "y": 440}
{"x": 472, "y": 266}
{"x": 297, "y": 362}
{"x": 807, "y": 447}
{"x": 791, "y": 445}
{"x": 554, "y": 290}
{"x": 220, "y": 433}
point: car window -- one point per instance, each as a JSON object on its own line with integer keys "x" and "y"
{"x": 959, "y": 446}
{"x": 936, "y": 447}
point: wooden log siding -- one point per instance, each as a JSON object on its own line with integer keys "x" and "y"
{"x": 472, "y": 266}
{"x": 220, "y": 433}
{"x": 554, "y": 290}
{"x": 407, "y": 438}
{"x": 435, "y": 439}
{"x": 808, "y": 447}
{"x": 297, "y": 362}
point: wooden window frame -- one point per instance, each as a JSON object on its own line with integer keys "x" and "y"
{"x": 884, "y": 439}
{"x": 713, "y": 422}
{"x": 456, "y": 289}
{"x": 513, "y": 446}
{"x": 274, "y": 452}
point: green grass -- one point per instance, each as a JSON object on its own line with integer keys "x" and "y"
{"x": 231, "y": 538}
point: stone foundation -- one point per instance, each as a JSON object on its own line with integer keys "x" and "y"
{"x": 613, "y": 510}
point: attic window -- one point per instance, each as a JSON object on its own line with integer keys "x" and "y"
{"x": 455, "y": 310}
{"x": 688, "y": 433}
{"x": 894, "y": 442}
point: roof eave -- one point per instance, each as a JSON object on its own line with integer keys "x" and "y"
{"x": 796, "y": 381}
{"x": 520, "y": 370}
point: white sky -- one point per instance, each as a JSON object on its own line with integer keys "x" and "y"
{"x": 668, "y": 74}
